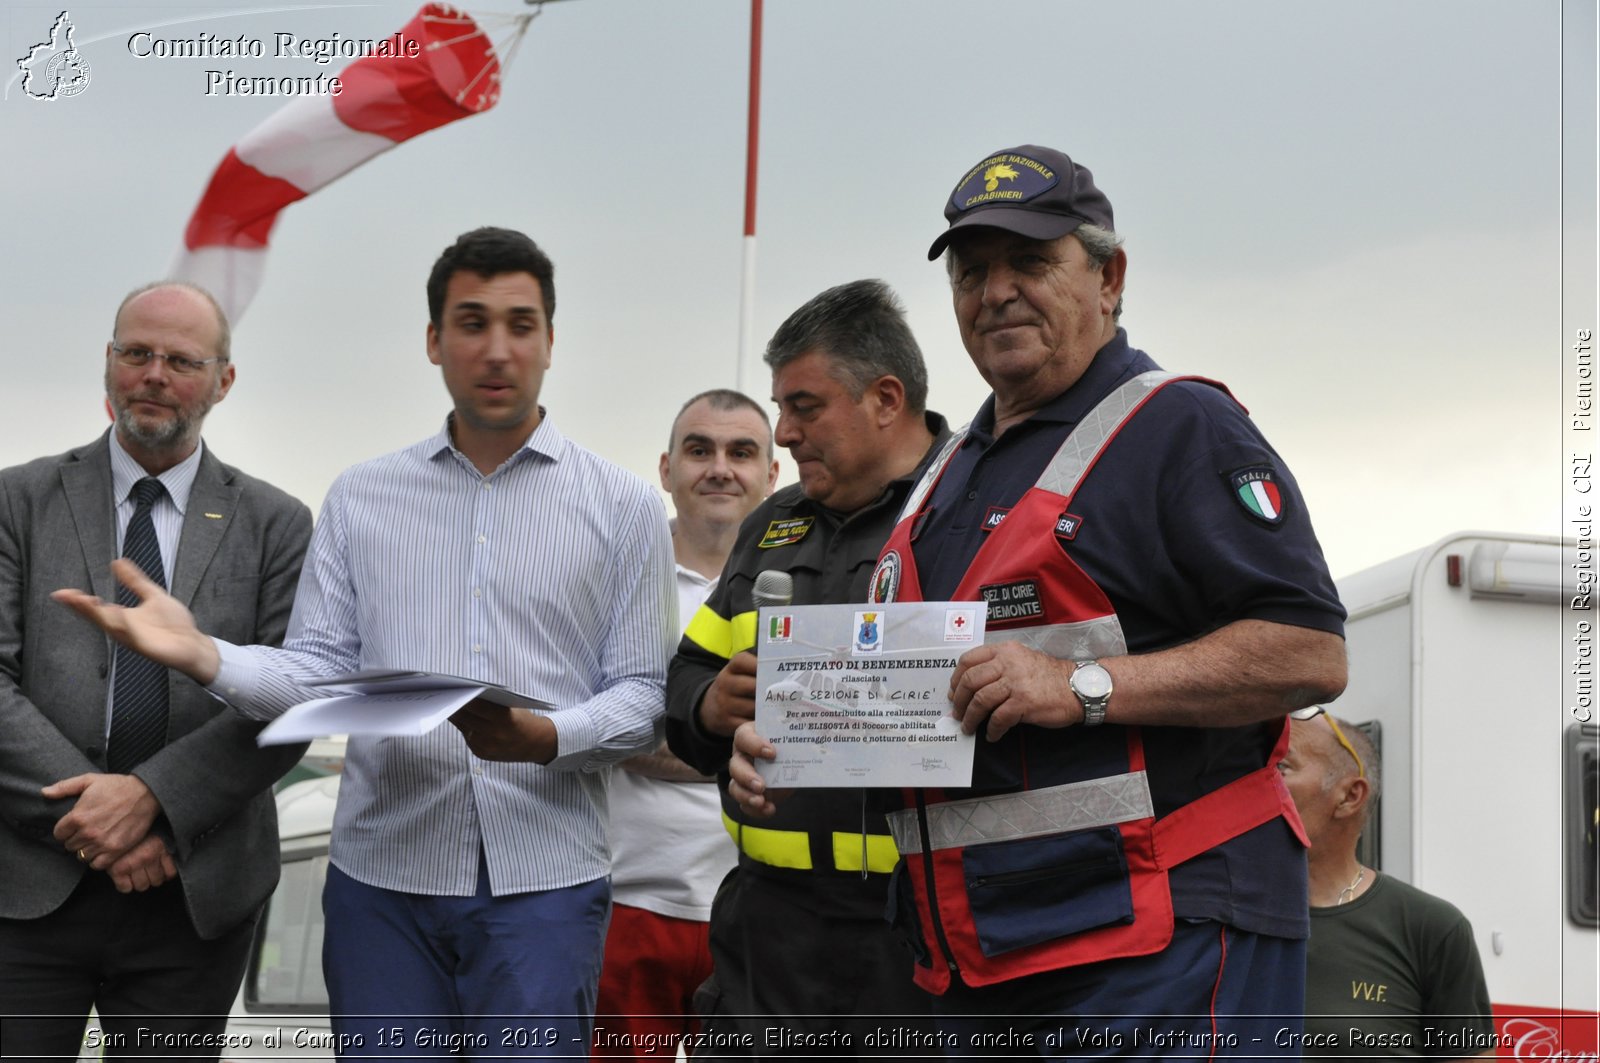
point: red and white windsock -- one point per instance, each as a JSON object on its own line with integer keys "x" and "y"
{"x": 386, "y": 99}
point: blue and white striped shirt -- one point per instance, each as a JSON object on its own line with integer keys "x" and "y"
{"x": 552, "y": 576}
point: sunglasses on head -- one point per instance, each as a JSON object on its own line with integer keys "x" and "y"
{"x": 1338, "y": 732}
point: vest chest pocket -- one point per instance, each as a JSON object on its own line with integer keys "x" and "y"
{"x": 1038, "y": 889}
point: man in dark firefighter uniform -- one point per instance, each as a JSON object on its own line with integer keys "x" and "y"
{"x": 1127, "y": 873}
{"x": 797, "y": 930}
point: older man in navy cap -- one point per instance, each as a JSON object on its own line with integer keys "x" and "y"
{"x": 1127, "y": 871}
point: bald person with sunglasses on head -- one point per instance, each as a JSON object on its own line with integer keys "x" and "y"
{"x": 1390, "y": 970}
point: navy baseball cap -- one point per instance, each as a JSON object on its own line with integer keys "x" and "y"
{"x": 1035, "y": 192}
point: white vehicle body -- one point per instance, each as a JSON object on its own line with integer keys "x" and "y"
{"x": 282, "y": 1008}
{"x": 1488, "y": 789}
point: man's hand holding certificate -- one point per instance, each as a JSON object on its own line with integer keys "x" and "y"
{"x": 859, "y": 695}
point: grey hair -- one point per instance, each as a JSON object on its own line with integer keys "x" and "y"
{"x": 1371, "y": 762}
{"x": 224, "y": 333}
{"x": 861, "y": 327}
{"x": 1098, "y": 243}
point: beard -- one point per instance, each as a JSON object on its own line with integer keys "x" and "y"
{"x": 176, "y": 432}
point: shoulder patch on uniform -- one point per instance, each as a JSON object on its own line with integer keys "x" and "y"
{"x": 1067, "y": 526}
{"x": 1256, "y": 489}
{"x": 785, "y": 532}
{"x": 1017, "y": 602}
{"x": 885, "y": 578}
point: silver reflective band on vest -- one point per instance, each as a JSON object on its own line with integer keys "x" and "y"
{"x": 1081, "y": 640}
{"x": 930, "y": 475}
{"x": 1029, "y": 814}
{"x": 1067, "y": 469}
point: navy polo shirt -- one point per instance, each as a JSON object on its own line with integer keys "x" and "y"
{"x": 1166, "y": 527}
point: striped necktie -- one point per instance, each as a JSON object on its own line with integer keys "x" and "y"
{"x": 139, "y": 687}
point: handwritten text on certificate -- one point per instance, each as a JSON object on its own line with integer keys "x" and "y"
{"x": 859, "y": 695}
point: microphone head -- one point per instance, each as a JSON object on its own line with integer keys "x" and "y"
{"x": 772, "y": 588}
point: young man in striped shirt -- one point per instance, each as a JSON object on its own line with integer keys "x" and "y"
{"x": 467, "y": 894}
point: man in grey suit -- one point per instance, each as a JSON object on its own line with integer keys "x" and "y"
{"x": 137, "y": 832}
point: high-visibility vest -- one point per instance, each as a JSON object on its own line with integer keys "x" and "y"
{"x": 1061, "y": 861}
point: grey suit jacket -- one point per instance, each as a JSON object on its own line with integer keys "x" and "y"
{"x": 237, "y": 566}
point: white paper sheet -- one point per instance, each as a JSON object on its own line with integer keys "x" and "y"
{"x": 403, "y": 712}
{"x": 396, "y": 680}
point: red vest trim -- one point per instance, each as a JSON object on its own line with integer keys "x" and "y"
{"x": 1006, "y": 909}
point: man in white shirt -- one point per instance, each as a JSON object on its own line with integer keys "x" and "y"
{"x": 669, "y": 849}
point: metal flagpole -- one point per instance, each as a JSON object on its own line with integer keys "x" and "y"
{"x": 747, "y": 282}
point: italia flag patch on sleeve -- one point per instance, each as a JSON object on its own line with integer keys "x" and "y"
{"x": 1256, "y": 489}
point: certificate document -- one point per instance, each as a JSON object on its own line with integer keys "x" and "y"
{"x": 859, "y": 695}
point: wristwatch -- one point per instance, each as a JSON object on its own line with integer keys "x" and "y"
{"x": 1092, "y": 684}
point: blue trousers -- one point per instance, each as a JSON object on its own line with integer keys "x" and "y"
{"x": 414, "y": 976}
{"x": 1214, "y": 992}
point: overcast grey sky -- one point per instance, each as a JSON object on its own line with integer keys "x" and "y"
{"x": 1347, "y": 212}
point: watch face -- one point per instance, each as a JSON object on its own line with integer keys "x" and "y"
{"x": 1091, "y": 681}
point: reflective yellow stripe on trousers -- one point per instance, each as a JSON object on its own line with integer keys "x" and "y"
{"x": 792, "y": 848}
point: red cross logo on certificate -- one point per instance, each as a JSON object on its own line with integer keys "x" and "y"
{"x": 958, "y": 625}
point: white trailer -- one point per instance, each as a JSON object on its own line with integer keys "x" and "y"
{"x": 1470, "y": 656}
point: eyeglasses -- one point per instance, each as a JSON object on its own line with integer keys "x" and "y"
{"x": 139, "y": 357}
{"x": 1338, "y": 732}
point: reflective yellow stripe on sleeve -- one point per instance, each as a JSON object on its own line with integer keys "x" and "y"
{"x": 722, "y": 637}
{"x": 744, "y": 631}
{"x": 792, "y": 848}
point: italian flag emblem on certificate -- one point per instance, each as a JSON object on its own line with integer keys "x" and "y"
{"x": 1257, "y": 491}
{"x": 778, "y": 628}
